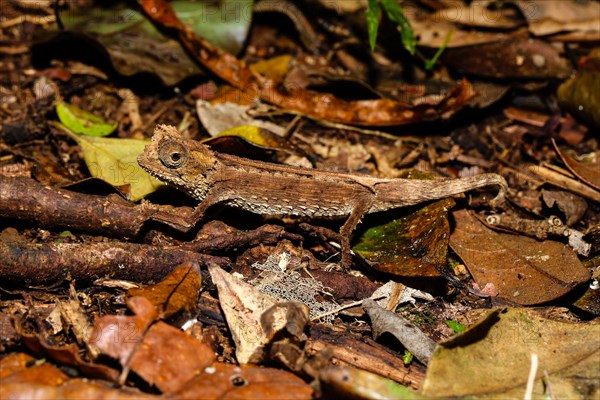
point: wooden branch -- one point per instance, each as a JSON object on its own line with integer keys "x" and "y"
{"x": 34, "y": 264}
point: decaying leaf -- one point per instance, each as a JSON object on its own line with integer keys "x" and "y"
{"x": 581, "y": 93}
{"x": 276, "y": 280}
{"x": 511, "y": 59}
{"x": 413, "y": 245}
{"x": 522, "y": 269}
{"x": 493, "y": 356}
{"x": 572, "y": 206}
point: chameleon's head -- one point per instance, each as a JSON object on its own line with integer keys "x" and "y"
{"x": 184, "y": 163}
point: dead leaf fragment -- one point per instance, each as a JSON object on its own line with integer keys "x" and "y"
{"x": 159, "y": 353}
{"x": 511, "y": 59}
{"x": 179, "y": 290}
{"x": 170, "y": 358}
{"x": 548, "y": 17}
{"x": 226, "y": 381}
{"x": 589, "y": 173}
{"x": 572, "y": 206}
{"x": 220, "y": 117}
{"x": 243, "y": 306}
{"x": 522, "y": 269}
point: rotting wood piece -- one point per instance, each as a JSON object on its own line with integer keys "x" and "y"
{"x": 345, "y": 349}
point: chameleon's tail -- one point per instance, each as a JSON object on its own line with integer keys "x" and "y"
{"x": 414, "y": 191}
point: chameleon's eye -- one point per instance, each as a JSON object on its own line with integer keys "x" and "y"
{"x": 172, "y": 154}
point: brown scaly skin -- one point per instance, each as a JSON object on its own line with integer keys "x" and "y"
{"x": 267, "y": 188}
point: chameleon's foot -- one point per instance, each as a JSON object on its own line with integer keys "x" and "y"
{"x": 181, "y": 219}
{"x": 346, "y": 261}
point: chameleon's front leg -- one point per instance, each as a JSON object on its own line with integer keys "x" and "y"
{"x": 362, "y": 204}
{"x": 187, "y": 221}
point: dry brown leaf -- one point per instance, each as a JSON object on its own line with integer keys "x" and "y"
{"x": 522, "y": 269}
{"x": 179, "y": 290}
{"x": 161, "y": 354}
{"x": 20, "y": 367}
{"x": 477, "y": 14}
{"x": 589, "y": 173}
{"x": 170, "y": 358}
{"x": 515, "y": 58}
{"x": 548, "y": 17}
{"x": 66, "y": 355}
{"x": 243, "y": 306}
{"x": 226, "y": 381}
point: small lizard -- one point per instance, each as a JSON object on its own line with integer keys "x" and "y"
{"x": 268, "y": 188}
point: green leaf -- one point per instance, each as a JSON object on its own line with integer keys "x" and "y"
{"x": 457, "y": 327}
{"x": 407, "y": 357}
{"x": 373, "y": 14}
{"x": 430, "y": 63}
{"x": 115, "y": 161}
{"x": 83, "y": 122}
{"x": 396, "y": 15}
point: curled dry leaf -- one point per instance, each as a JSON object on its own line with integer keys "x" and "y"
{"x": 220, "y": 117}
{"x": 66, "y": 355}
{"x": 589, "y": 173}
{"x": 522, "y": 269}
